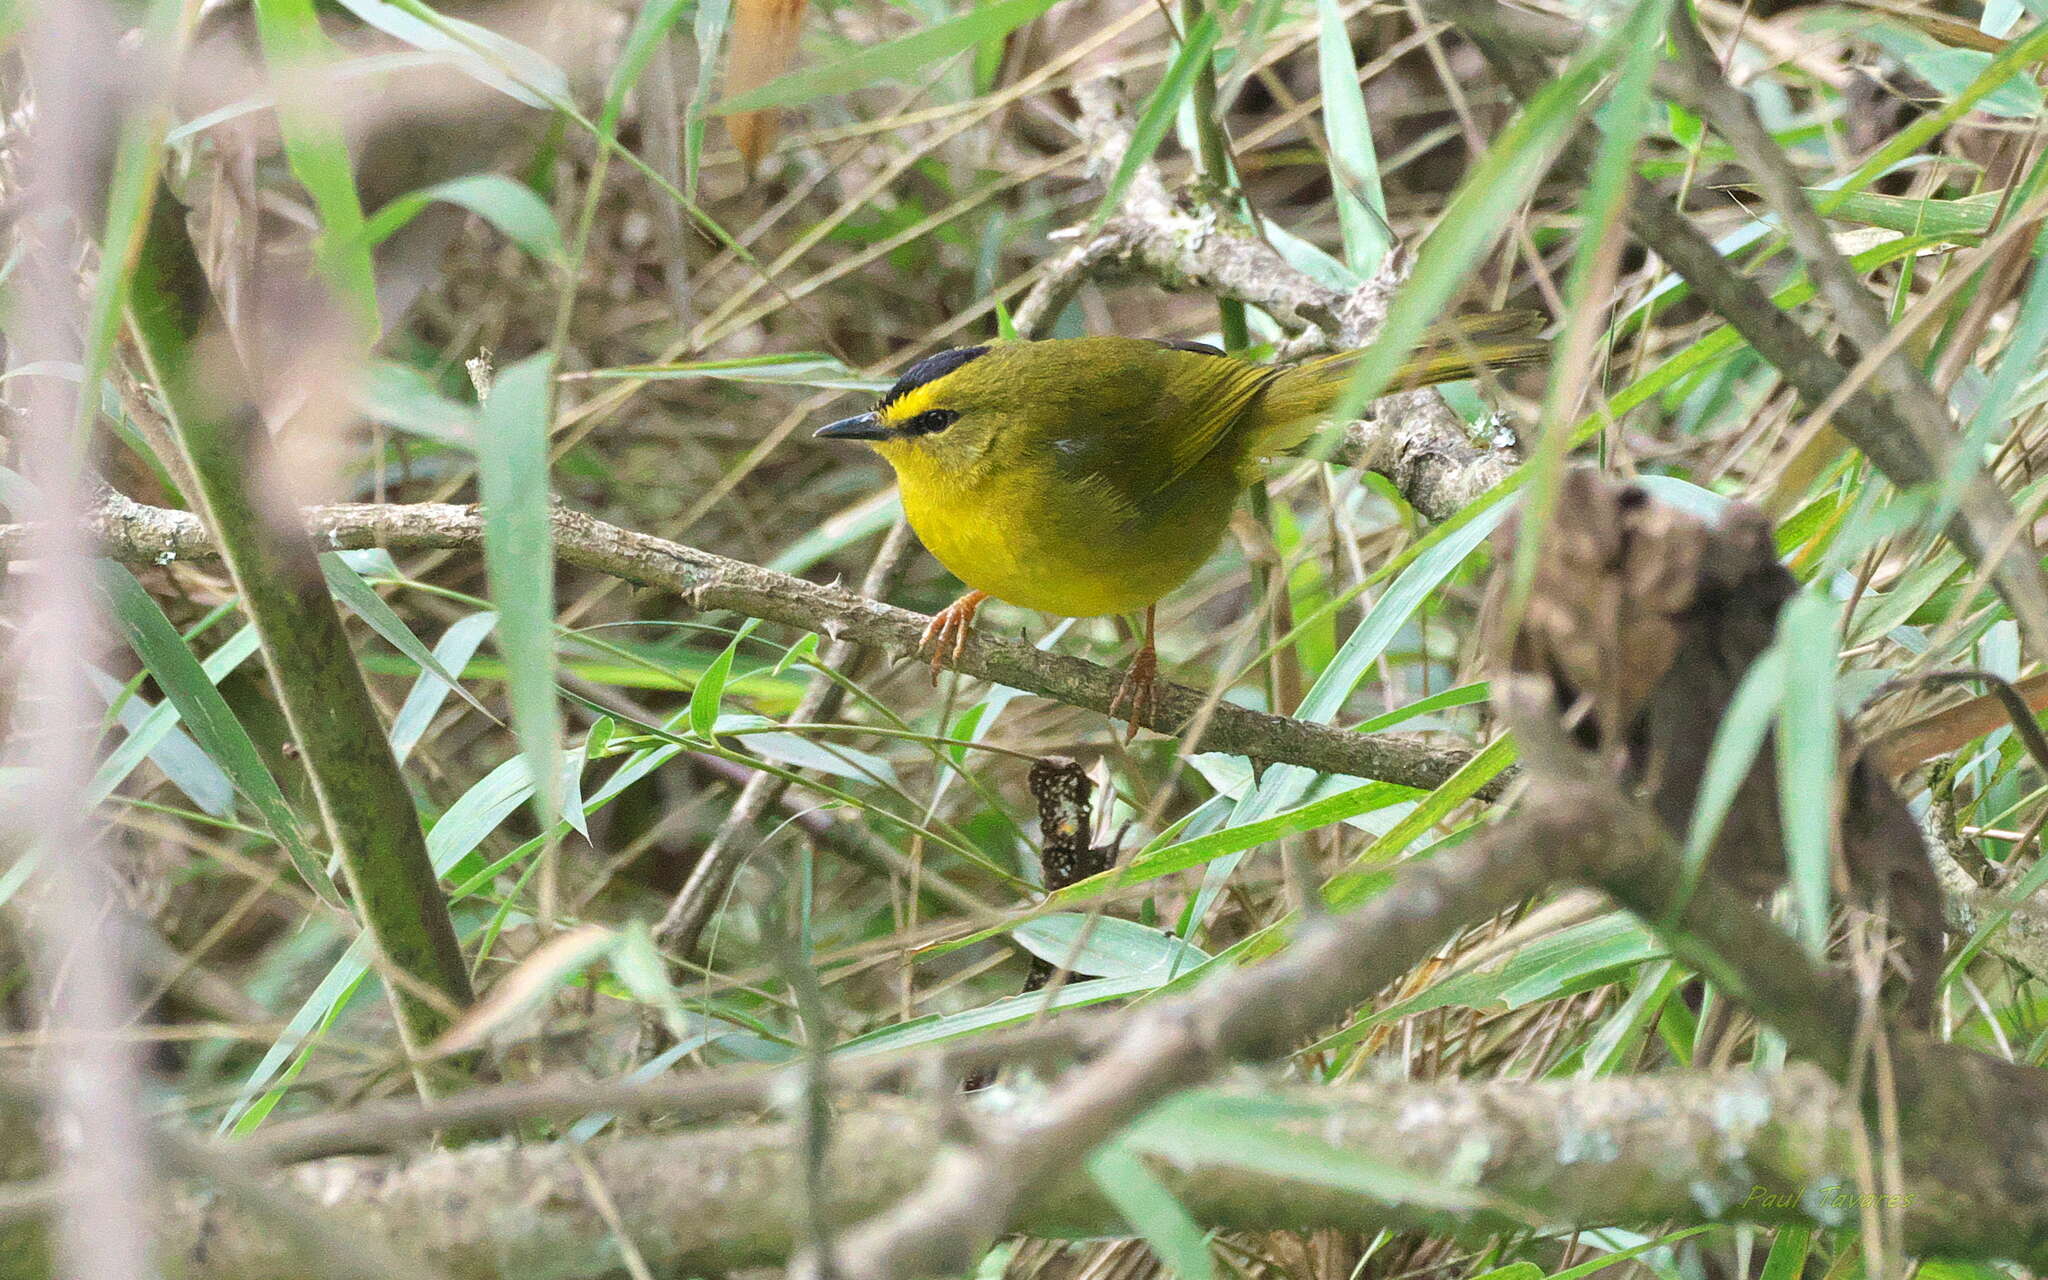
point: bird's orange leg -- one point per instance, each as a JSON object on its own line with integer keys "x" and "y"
{"x": 946, "y": 634}
{"x": 1138, "y": 695}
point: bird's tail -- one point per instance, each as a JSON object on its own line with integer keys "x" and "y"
{"x": 1301, "y": 397}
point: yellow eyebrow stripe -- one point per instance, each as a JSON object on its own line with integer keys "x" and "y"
{"x": 912, "y": 402}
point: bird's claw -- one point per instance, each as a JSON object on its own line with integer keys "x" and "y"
{"x": 946, "y": 634}
{"x": 1138, "y": 694}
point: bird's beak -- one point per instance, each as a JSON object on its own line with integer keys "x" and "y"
{"x": 866, "y": 426}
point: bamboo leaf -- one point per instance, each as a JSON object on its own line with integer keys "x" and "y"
{"x": 187, "y": 687}
{"x": 349, "y": 588}
{"x": 511, "y": 207}
{"x": 296, "y": 51}
{"x": 1158, "y": 114}
{"x": 1147, "y": 1204}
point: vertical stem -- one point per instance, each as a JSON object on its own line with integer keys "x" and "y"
{"x": 366, "y": 807}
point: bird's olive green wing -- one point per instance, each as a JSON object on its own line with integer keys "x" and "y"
{"x": 1157, "y": 413}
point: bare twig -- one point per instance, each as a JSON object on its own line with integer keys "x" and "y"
{"x": 1985, "y": 524}
{"x": 129, "y": 531}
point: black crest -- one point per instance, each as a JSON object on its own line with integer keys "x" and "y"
{"x": 1188, "y": 344}
{"x": 929, "y": 368}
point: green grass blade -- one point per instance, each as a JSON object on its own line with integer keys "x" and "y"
{"x": 349, "y": 588}
{"x": 153, "y": 735}
{"x": 1808, "y": 743}
{"x": 485, "y": 56}
{"x": 714, "y": 19}
{"x": 1483, "y": 206}
{"x": 162, "y": 720}
{"x": 1149, "y": 1207}
{"x": 1741, "y": 736}
{"x": 1158, "y": 114}
{"x": 519, "y": 561}
{"x": 457, "y": 645}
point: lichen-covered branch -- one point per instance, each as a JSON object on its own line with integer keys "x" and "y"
{"x": 1676, "y": 1149}
{"x": 138, "y": 534}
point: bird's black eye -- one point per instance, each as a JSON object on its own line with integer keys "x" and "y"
{"x": 930, "y": 422}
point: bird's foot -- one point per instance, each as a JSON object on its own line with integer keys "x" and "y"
{"x": 1138, "y": 696}
{"x": 946, "y": 634}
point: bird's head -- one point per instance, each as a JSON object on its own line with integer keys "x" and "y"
{"x": 943, "y": 413}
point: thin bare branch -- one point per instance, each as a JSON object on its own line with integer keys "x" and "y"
{"x": 135, "y": 533}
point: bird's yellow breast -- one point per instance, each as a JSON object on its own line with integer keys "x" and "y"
{"x": 1008, "y": 532}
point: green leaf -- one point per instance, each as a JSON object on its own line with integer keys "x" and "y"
{"x": 830, "y": 758}
{"x": 153, "y": 734}
{"x": 1479, "y": 211}
{"x": 1354, "y": 162}
{"x": 206, "y": 715}
{"x": 1107, "y": 948}
{"x": 305, "y": 1026}
{"x": 1146, "y": 1204}
{"x": 1807, "y": 755}
{"x": 638, "y": 964}
{"x": 709, "y": 694}
{"x": 1465, "y": 695}
{"x": 461, "y": 829}
{"x": 714, "y": 17}
{"x": 795, "y": 368}
{"x": 1275, "y": 1138}
{"x": 1568, "y": 961}
{"x": 1347, "y": 887}
{"x": 511, "y": 207}
{"x": 1150, "y": 863}
{"x": 643, "y": 42}
{"x": 519, "y": 560}
{"x": 490, "y": 59}
{"x": 402, "y": 397}
{"x": 1158, "y": 114}
{"x": 1949, "y": 70}
{"x": 910, "y": 56}
{"x": 1743, "y": 727}
{"x": 479, "y": 810}
{"x": 423, "y": 702}
{"x": 1960, "y": 221}
{"x": 1284, "y": 785}
{"x": 145, "y": 735}
{"x": 1009, "y": 1011}
{"x": 1787, "y": 1259}
{"x": 349, "y": 588}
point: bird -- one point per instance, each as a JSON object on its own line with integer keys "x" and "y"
{"x": 1091, "y": 476}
